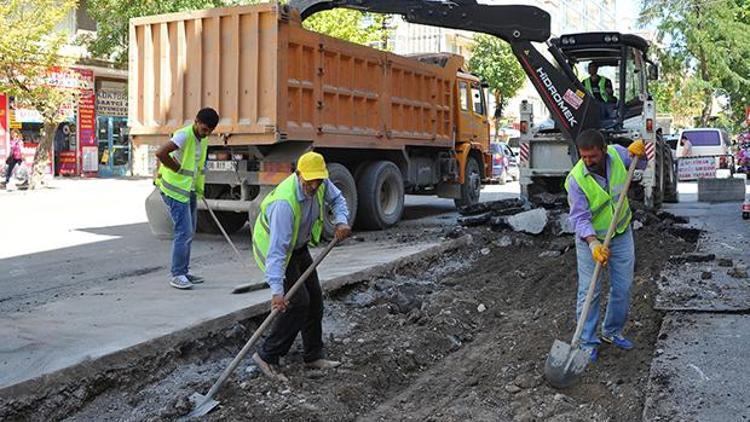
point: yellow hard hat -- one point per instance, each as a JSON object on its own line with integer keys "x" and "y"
{"x": 312, "y": 166}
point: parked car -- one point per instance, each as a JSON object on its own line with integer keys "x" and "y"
{"x": 707, "y": 142}
{"x": 504, "y": 162}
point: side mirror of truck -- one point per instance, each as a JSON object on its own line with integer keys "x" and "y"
{"x": 485, "y": 85}
{"x": 653, "y": 72}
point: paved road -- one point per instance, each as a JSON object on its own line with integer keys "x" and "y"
{"x": 59, "y": 242}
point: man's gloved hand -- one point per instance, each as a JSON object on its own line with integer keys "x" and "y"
{"x": 599, "y": 252}
{"x": 342, "y": 232}
{"x": 637, "y": 148}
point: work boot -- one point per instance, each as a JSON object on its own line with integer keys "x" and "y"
{"x": 268, "y": 369}
{"x": 195, "y": 279}
{"x": 322, "y": 364}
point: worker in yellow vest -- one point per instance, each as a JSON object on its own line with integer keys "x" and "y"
{"x": 181, "y": 180}
{"x": 598, "y": 86}
{"x": 594, "y": 185}
{"x": 290, "y": 219}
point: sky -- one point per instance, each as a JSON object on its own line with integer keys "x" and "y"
{"x": 627, "y": 14}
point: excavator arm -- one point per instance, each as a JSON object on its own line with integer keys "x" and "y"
{"x": 572, "y": 108}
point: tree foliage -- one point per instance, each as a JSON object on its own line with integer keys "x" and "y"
{"x": 113, "y": 16}
{"x": 29, "y": 49}
{"x": 494, "y": 62}
{"x": 352, "y": 25}
{"x": 708, "y": 48}
{"x": 112, "y": 19}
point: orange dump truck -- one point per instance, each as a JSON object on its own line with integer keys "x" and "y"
{"x": 387, "y": 125}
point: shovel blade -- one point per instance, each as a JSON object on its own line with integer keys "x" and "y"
{"x": 201, "y": 405}
{"x": 565, "y": 364}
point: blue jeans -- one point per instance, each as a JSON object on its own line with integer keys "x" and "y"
{"x": 185, "y": 218}
{"x": 621, "y": 266}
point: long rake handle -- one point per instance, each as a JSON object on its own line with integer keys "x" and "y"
{"x": 232, "y": 366}
{"x": 598, "y": 267}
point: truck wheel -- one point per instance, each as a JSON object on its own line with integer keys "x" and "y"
{"x": 342, "y": 178}
{"x": 230, "y": 220}
{"x": 472, "y": 185}
{"x": 381, "y": 196}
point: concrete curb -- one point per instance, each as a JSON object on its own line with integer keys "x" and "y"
{"x": 70, "y": 382}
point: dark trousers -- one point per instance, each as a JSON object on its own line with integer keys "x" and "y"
{"x": 9, "y": 170}
{"x": 304, "y": 313}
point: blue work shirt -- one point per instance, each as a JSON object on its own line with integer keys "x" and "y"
{"x": 281, "y": 222}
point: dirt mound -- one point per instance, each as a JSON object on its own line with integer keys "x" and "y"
{"x": 458, "y": 337}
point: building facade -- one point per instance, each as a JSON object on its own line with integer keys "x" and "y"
{"x": 92, "y": 140}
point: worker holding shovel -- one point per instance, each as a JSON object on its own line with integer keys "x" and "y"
{"x": 291, "y": 217}
{"x": 594, "y": 185}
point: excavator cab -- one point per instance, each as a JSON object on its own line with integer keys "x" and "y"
{"x": 618, "y": 58}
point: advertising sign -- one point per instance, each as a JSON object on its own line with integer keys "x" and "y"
{"x": 696, "y": 168}
{"x": 68, "y": 161}
{"x": 747, "y": 114}
{"x": 112, "y": 102}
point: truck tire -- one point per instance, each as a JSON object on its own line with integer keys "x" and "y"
{"x": 230, "y": 220}
{"x": 342, "y": 178}
{"x": 472, "y": 185}
{"x": 380, "y": 189}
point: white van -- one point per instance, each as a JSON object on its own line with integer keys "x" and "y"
{"x": 706, "y": 142}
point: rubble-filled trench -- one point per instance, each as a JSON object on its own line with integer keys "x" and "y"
{"x": 458, "y": 337}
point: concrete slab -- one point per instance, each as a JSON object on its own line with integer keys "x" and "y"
{"x": 102, "y": 321}
{"x": 700, "y": 372}
{"x": 725, "y": 235}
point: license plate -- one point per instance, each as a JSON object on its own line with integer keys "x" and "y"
{"x": 220, "y": 165}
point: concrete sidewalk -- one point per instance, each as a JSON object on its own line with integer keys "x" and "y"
{"x": 105, "y": 320}
{"x": 700, "y": 370}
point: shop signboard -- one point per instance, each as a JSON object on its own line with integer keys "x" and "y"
{"x": 747, "y": 114}
{"x": 696, "y": 168}
{"x": 68, "y": 161}
{"x": 112, "y": 102}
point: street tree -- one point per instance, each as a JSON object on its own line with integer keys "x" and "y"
{"x": 29, "y": 50}
{"x": 493, "y": 61}
{"x": 112, "y": 18}
{"x": 709, "y": 41}
{"x": 351, "y": 25}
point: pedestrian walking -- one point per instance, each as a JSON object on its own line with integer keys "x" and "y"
{"x": 594, "y": 185}
{"x": 686, "y": 147}
{"x": 290, "y": 219}
{"x": 181, "y": 180}
{"x": 15, "y": 155}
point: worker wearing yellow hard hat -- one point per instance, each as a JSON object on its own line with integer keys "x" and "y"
{"x": 290, "y": 219}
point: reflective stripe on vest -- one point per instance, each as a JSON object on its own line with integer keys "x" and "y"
{"x": 178, "y": 184}
{"x": 285, "y": 191}
{"x": 602, "y": 203}
{"x": 602, "y": 87}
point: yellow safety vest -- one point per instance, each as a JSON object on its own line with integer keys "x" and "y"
{"x": 285, "y": 191}
{"x": 602, "y": 203}
{"x": 602, "y": 87}
{"x": 178, "y": 184}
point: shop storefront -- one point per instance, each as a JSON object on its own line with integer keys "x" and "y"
{"x": 111, "y": 128}
{"x": 74, "y": 151}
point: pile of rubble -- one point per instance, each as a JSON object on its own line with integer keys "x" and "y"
{"x": 550, "y": 216}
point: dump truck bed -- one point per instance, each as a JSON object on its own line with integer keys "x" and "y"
{"x": 271, "y": 80}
